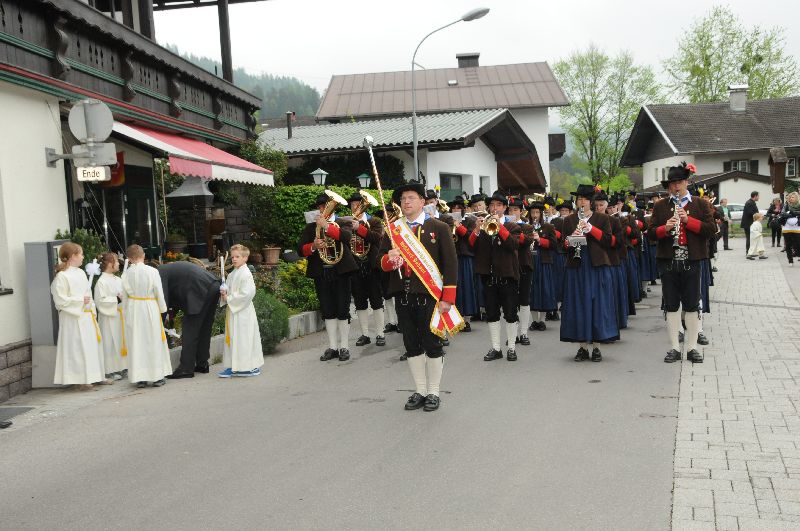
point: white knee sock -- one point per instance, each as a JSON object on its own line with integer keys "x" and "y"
{"x": 435, "y": 366}
{"x": 417, "y": 366}
{"x": 701, "y": 321}
{"x": 380, "y": 322}
{"x": 511, "y": 334}
{"x": 538, "y": 317}
{"x": 524, "y": 320}
{"x": 391, "y": 316}
{"x": 363, "y": 320}
{"x": 344, "y": 332}
{"x": 673, "y": 328}
{"x": 331, "y": 328}
{"x": 494, "y": 333}
{"x": 692, "y": 328}
{"x": 583, "y": 346}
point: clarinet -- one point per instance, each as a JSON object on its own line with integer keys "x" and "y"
{"x": 676, "y": 230}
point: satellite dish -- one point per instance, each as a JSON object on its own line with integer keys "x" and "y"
{"x": 90, "y": 120}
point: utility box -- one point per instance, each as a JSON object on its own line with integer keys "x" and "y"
{"x": 41, "y": 259}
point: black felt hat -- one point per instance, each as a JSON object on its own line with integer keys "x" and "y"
{"x": 536, "y": 204}
{"x": 431, "y": 194}
{"x": 321, "y": 200}
{"x": 497, "y": 196}
{"x": 476, "y": 198}
{"x": 601, "y": 196}
{"x": 676, "y": 173}
{"x": 457, "y": 201}
{"x": 408, "y": 187}
{"x": 355, "y": 197}
{"x": 584, "y": 190}
{"x": 515, "y": 201}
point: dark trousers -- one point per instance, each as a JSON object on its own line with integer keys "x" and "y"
{"x": 333, "y": 292}
{"x": 776, "y": 234}
{"x": 680, "y": 285}
{"x": 746, "y": 238}
{"x": 196, "y": 333}
{"x": 792, "y": 241}
{"x": 366, "y": 288}
{"x": 524, "y": 287}
{"x": 723, "y": 230}
{"x": 500, "y": 293}
{"x": 414, "y": 313}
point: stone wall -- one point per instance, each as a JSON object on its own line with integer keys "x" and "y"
{"x": 15, "y": 369}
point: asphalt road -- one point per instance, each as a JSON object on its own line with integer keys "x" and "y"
{"x": 543, "y": 443}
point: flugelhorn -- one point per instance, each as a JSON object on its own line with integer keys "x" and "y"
{"x": 333, "y": 251}
{"x": 442, "y": 206}
{"x": 358, "y": 245}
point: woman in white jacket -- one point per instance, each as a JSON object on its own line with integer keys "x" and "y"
{"x": 108, "y": 298}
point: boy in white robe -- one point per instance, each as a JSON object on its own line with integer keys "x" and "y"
{"x": 143, "y": 303}
{"x": 79, "y": 360}
{"x": 107, "y": 296}
{"x": 242, "y": 354}
{"x": 756, "y": 239}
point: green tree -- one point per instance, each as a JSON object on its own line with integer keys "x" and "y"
{"x": 605, "y": 95}
{"x": 720, "y": 49}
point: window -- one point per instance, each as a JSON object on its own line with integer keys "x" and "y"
{"x": 791, "y": 167}
{"x": 451, "y": 186}
{"x": 741, "y": 165}
{"x": 655, "y": 174}
{"x": 663, "y": 173}
{"x": 485, "y": 185}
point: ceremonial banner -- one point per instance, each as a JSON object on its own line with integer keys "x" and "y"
{"x": 423, "y": 265}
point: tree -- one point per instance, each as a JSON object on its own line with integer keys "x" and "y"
{"x": 605, "y": 96}
{"x": 720, "y": 50}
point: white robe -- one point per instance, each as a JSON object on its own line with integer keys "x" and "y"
{"x": 756, "y": 240}
{"x": 109, "y": 317}
{"x": 78, "y": 356}
{"x": 242, "y": 350}
{"x": 142, "y": 304}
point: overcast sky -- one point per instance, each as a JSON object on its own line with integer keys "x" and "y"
{"x": 314, "y": 39}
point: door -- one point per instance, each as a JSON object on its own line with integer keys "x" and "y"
{"x": 141, "y": 219}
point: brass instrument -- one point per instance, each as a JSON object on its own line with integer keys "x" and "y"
{"x": 358, "y": 245}
{"x": 442, "y": 207}
{"x": 333, "y": 251}
{"x": 396, "y": 213}
{"x": 491, "y": 225}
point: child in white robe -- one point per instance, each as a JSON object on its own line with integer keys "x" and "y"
{"x": 79, "y": 360}
{"x": 756, "y": 239}
{"x": 107, "y": 296}
{"x": 143, "y": 303}
{"x": 241, "y": 355}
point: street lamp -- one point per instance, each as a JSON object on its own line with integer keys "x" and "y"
{"x": 467, "y": 17}
{"x": 364, "y": 180}
{"x": 319, "y": 176}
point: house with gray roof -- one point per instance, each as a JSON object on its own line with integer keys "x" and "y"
{"x": 728, "y": 142}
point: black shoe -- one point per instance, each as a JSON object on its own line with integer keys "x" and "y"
{"x": 344, "y": 354}
{"x": 363, "y": 340}
{"x": 159, "y": 383}
{"x": 556, "y": 316}
{"x": 728, "y": 249}
{"x": 541, "y": 326}
{"x": 533, "y": 327}
{"x": 141, "y": 385}
{"x": 751, "y": 257}
{"x": 653, "y": 283}
{"x": 380, "y": 341}
{"x": 467, "y": 327}
{"x": 714, "y": 270}
{"x": 596, "y": 356}
{"x": 493, "y": 355}
{"x": 328, "y": 355}
{"x": 389, "y": 328}
{"x": 431, "y": 403}
{"x": 763, "y": 257}
{"x": 511, "y": 355}
{"x": 680, "y": 337}
{"x": 404, "y": 356}
{"x": 694, "y": 356}
{"x": 178, "y": 374}
{"x": 202, "y": 369}
{"x": 672, "y": 356}
{"x": 582, "y": 355}
{"x": 415, "y": 401}
{"x": 523, "y": 340}
{"x": 548, "y": 316}
{"x": 445, "y": 342}
{"x": 5, "y": 424}
{"x": 702, "y": 339}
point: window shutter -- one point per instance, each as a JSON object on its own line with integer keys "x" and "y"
{"x": 726, "y": 166}
{"x": 753, "y": 166}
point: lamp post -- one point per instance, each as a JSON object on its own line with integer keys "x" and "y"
{"x": 468, "y": 17}
{"x": 364, "y": 180}
{"x": 319, "y": 176}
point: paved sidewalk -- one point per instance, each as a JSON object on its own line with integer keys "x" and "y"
{"x": 737, "y": 448}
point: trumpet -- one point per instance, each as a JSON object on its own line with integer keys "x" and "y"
{"x": 491, "y": 225}
{"x": 358, "y": 245}
{"x": 442, "y": 206}
{"x": 333, "y": 252}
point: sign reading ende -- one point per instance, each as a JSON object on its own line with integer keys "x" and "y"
{"x": 94, "y": 173}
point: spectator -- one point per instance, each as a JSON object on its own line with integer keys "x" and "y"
{"x": 750, "y": 208}
{"x": 791, "y": 226}
{"x": 725, "y": 215}
{"x": 773, "y": 219}
{"x": 756, "y": 248}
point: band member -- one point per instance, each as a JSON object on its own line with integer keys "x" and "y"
{"x": 588, "y": 314}
{"x": 466, "y": 294}
{"x": 477, "y": 204}
{"x": 682, "y": 225}
{"x": 415, "y": 304}
{"x": 432, "y": 200}
{"x": 495, "y": 241}
{"x": 632, "y": 236}
{"x": 565, "y": 208}
{"x": 525, "y": 259}
{"x": 365, "y": 244}
{"x": 326, "y": 245}
{"x": 617, "y": 256}
{"x": 542, "y": 289}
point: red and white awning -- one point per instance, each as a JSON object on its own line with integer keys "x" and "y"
{"x": 190, "y": 157}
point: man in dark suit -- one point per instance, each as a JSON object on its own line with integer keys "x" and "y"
{"x": 724, "y": 226}
{"x": 194, "y": 290}
{"x": 750, "y": 209}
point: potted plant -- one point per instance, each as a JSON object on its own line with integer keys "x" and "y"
{"x": 255, "y": 255}
{"x": 271, "y": 254}
{"x": 175, "y": 241}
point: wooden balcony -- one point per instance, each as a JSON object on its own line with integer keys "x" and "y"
{"x": 69, "y": 49}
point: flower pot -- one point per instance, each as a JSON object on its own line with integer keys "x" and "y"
{"x": 175, "y": 247}
{"x": 255, "y": 258}
{"x": 271, "y": 255}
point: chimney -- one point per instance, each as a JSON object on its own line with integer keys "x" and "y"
{"x": 738, "y": 97}
{"x": 289, "y": 120}
{"x": 468, "y": 60}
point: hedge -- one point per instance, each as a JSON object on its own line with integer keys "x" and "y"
{"x": 276, "y": 214}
